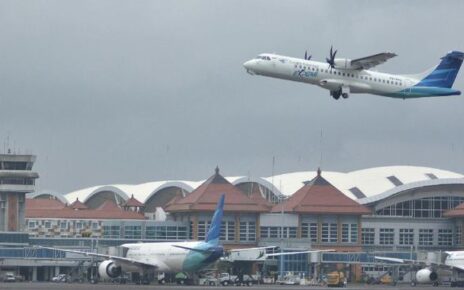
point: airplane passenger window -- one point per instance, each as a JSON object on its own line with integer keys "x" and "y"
{"x": 388, "y": 82}
{"x": 352, "y": 75}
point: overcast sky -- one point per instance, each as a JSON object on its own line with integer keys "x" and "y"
{"x": 136, "y": 91}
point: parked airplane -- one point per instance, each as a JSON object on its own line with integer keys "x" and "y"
{"x": 429, "y": 274}
{"x": 187, "y": 256}
{"x": 343, "y": 76}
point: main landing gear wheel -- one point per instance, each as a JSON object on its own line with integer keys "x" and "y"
{"x": 345, "y": 95}
{"x": 335, "y": 94}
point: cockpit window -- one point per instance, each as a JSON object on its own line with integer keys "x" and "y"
{"x": 263, "y": 57}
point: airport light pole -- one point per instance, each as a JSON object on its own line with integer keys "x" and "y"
{"x": 282, "y": 237}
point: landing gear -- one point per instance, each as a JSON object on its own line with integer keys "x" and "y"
{"x": 342, "y": 91}
{"x": 336, "y": 94}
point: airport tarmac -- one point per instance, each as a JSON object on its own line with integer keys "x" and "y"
{"x": 85, "y": 286}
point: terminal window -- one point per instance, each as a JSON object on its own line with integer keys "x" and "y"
{"x": 228, "y": 231}
{"x": 329, "y": 233}
{"x": 387, "y": 236}
{"x": 309, "y": 230}
{"x": 425, "y": 237}
{"x": 445, "y": 237}
{"x": 368, "y": 236}
{"x": 406, "y": 236}
{"x": 349, "y": 233}
{"x": 248, "y": 231}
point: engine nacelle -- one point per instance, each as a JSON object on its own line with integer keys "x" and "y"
{"x": 426, "y": 276}
{"x": 108, "y": 270}
{"x": 342, "y": 63}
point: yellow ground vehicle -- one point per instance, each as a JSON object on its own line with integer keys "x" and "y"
{"x": 335, "y": 279}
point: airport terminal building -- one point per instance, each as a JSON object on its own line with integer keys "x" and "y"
{"x": 396, "y": 209}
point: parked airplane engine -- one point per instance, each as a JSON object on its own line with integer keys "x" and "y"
{"x": 426, "y": 276}
{"x": 108, "y": 269}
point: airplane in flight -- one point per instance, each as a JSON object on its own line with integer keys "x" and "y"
{"x": 173, "y": 257}
{"x": 342, "y": 76}
{"x": 429, "y": 273}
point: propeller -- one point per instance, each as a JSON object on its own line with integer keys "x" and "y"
{"x": 307, "y": 57}
{"x": 331, "y": 60}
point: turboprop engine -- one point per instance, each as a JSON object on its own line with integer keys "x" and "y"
{"x": 108, "y": 269}
{"x": 426, "y": 275}
{"x": 342, "y": 63}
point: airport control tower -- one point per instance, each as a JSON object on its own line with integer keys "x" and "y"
{"x": 16, "y": 179}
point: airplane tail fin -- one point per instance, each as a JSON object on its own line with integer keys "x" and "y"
{"x": 215, "y": 230}
{"x": 445, "y": 73}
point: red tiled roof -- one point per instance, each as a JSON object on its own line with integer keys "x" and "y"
{"x": 132, "y": 202}
{"x": 320, "y": 197}
{"x": 259, "y": 199}
{"x": 455, "y": 212}
{"x": 206, "y": 196}
{"x": 42, "y": 208}
{"x": 68, "y": 213}
{"x": 42, "y": 203}
{"x": 78, "y": 205}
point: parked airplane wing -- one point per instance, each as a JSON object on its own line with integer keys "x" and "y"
{"x": 371, "y": 61}
{"x": 296, "y": 253}
{"x": 252, "y": 249}
{"x": 395, "y": 260}
{"x": 117, "y": 259}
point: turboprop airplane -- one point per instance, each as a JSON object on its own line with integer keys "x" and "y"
{"x": 172, "y": 257}
{"x": 429, "y": 273}
{"x": 343, "y": 76}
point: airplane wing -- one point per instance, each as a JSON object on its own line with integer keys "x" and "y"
{"x": 396, "y": 260}
{"x": 371, "y": 61}
{"x": 251, "y": 249}
{"x": 117, "y": 259}
{"x": 296, "y": 253}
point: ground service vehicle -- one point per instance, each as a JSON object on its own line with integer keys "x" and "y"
{"x": 335, "y": 279}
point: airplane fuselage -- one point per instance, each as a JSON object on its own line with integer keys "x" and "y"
{"x": 341, "y": 80}
{"x": 170, "y": 258}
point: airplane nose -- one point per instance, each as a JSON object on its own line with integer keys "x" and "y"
{"x": 248, "y": 65}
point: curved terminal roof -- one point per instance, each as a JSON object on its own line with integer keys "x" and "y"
{"x": 362, "y": 185}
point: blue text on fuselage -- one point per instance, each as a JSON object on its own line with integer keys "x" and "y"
{"x": 305, "y": 74}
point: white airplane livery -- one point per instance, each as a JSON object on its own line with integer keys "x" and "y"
{"x": 429, "y": 274}
{"x": 343, "y": 76}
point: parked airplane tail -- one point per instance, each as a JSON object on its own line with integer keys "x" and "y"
{"x": 445, "y": 73}
{"x": 215, "y": 230}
